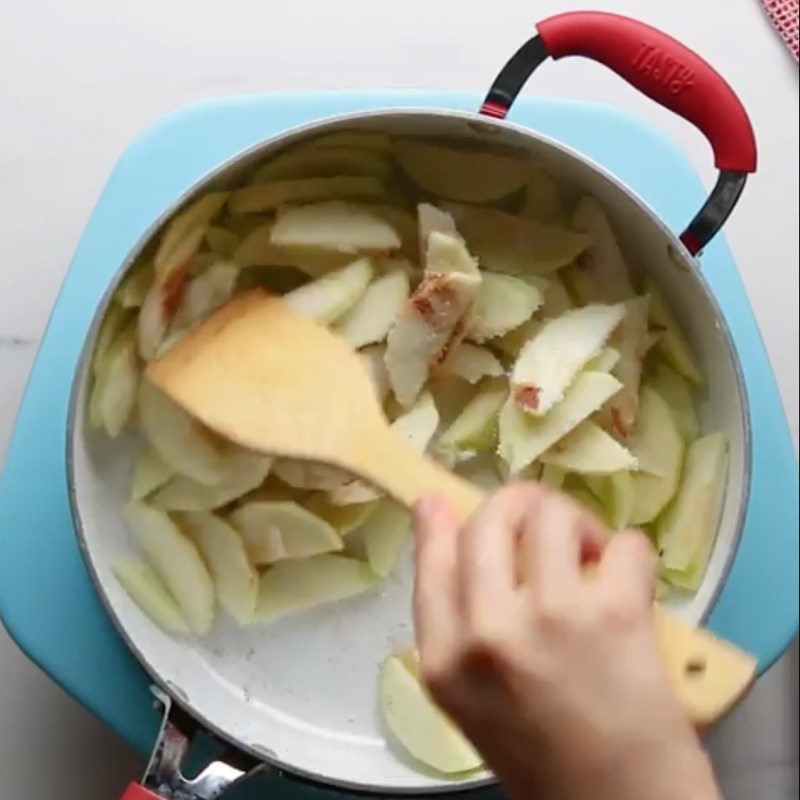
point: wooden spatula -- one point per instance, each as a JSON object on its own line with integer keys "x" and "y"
{"x": 263, "y": 376}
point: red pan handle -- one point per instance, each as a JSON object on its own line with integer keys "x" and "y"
{"x": 135, "y": 791}
{"x": 664, "y": 70}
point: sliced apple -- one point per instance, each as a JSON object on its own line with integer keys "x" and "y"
{"x": 556, "y": 299}
{"x": 603, "y": 262}
{"x": 383, "y": 533}
{"x": 450, "y": 394}
{"x": 516, "y": 246}
{"x": 585, "y": 499}
{"x": 159, "y": 307}
{"x": 135, "y": 285}
{"x": 292, "y": 586}
{"x": 344, "y": 519}
{"x": 150, "y": 473}
{"x": 148, "y": 591}
{"x": 113, "y": 396}
{"x": 503, "y": 303}
{"x": 207, "y": 292}
{"x": 659, "y": 447}
{"x": 242, "y": 471}
{"x": 116, "y": 318}
{"x": 475, "y": 429}
{"x": 331, "y": 296}
{"x": 616, "y": 493}
{"x": 604, "y": 361}
{"x": 673, "y": 344}
{"x": 461, "y": 173}
{"x": 308, "y": 475}
{"x": 419, "y": 726}
{"x": 471, "y": 362}
{"x": 178, "y": 439}
{"x": 432, "y": 320}
{"x": 549, "y": 362}
{"x": 268, "y": 196}
{"x": 318, "y": 162}
{"x": 176, "y": 561}
{"x": 335, "y": 225}
{"x": 274, "y": 530}
{"x": 552, "y": 476}
{"x": 688, "y": 528}
{"x": 675, "y": 390}
{"x": 589, "y": 450}
{"x": 221, "y": 241}
{"x": 372, "y": 358}
{"x": 431, "y": 219}
{"x": 543, "y": 199}
{"x": 631, "y": 341}
{"x": 373, "y": 315}
{"x": 403, "y": 223}
{"x": 524, "y": 437}
{"x": 257, "y": 249}
{"x": 511, "y": 343}
{"x": 185, "y": 231}
{"x": 481, "y": 471}
{"x": 222, "y": 549}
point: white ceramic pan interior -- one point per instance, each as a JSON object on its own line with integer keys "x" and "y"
{"x": 301, "y": 692}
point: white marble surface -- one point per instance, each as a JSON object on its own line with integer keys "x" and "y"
{"x": 81, "y": 79}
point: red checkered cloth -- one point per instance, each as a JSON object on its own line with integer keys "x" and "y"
{"x": 784, "y": 14}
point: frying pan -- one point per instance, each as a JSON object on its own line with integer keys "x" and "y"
{"x": 299, "y": 695}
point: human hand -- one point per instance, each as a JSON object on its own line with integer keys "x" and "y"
{"x": 553, "y": 674}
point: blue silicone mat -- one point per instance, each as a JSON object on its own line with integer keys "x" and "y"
{"x": 47, "y": 601}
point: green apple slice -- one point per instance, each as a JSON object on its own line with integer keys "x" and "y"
{"x": 269, "y": 196}
{"x": 503, "y": 303}
{"x": 323, "y": 162}
{"x": 183, "y": 228}
{"x": 524, "y": 437}
{"x": 603, "y": 262}
{"x": 548, "y": 363}
{"x": 135, "y": 285}
{"x": 450, "y": 394}
{"x": 222, "y": 549}
{"x": 383, "y": 532}
{"x": 178, "y": 439}
{"x": 373, "y": 315}
{"x": 475, "y": 429}
{"x": 221, "y": 241}
{"x": 481, "y": 471}
{"x": 159, "y": 307}
{"x": 148, "y": 591}
{"x": 431, "y": 322}
{"x": 308, "y": 475}
{"x": 242, "y": 471}
{"x": 113, "y": 395}
{"x": 589, "y": 450}
{"x": 292, "y": 586}
{"x": 275, "y": 530}
{"x": 516, "y": 246}
{"x": 329, "y": 297}
{"x": 675, "y": 390}
{"x": 460, "y": 173}
{"x": 419, "y": 725}
{"x": 511, "y": 343}
{"x": 471, "y": 363}
{"x": 335, "y": 225}
{"x": 659, "y": 447}
{"x": 176, "y": 561}
{"x": 631, "y": 341}
{"x": 431, "y": 219}
{"x": 150, "y": 473}
{"x": 616, "y": 493}
{"x": 543, "y": 199}
{"x": 207, "y": 292}
{"x": 116, "y": 318}
{"x": 604, "y": 361}
{"x": 687, "y": 529}
{"x": 552, "y": 476}
{"x": 586, "y": 500}
{"x": 344, "y": 519}
{"x": 672, "y": 343}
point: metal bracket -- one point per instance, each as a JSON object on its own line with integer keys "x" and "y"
{"x": 163, "y": 774}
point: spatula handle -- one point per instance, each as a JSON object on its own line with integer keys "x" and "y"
{"x": 708, "y": 675}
